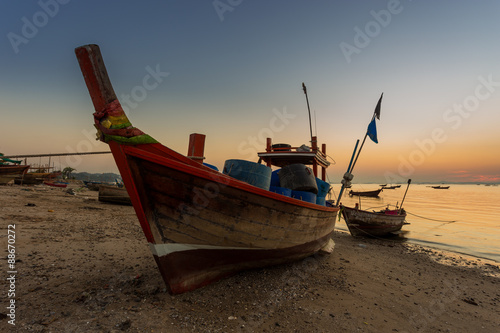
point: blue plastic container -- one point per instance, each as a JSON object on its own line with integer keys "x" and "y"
{"x": 275, "y": 179}
{"x": 323, "y": 187}
{"x": 211, "y": 166}
{"x": 304, "y": 196}
{"x": 250, "y": 172}
{"x": 321, "y": 201}
{"x": 281, "y": 190}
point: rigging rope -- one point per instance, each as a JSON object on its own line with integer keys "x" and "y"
{"x": 426, "y": 218}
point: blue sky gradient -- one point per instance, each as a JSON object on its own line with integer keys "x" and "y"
{"x": 235, "y": 68}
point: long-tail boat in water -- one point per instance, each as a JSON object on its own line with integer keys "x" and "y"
{"x": 201, "y": 224}
{"x": 365, "y": 223}
{"x": 373, "y": 193}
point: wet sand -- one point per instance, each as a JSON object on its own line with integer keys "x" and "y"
{"x": 84, "y": 266}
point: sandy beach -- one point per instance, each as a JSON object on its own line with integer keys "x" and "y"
{"x": 84, "y": 266}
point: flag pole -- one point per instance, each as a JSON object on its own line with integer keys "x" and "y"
{"x": 401, "y": 207}
{"x": 347, "y": 176}
{"x": 359, "y": 151}
{"x": 376, "y": 113}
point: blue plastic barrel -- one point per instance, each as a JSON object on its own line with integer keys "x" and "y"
{"x": 275, "y": 179}
{"x": 304, "y": 196}
{"x": 298, "y": 177}
{"x": 323, "y": 187}
{"x": 281, "y": 190}
{"x": 250, "y": 172}
{"x": 211, "y": 166}
{"x": 321, "y": 201}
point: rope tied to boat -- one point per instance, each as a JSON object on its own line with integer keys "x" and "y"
{"x": 112, "y": 124}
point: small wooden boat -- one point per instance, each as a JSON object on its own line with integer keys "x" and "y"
{"x": 372, "y": 194}
{"x": 56, "y": 184}
{"x": 439, "y": 187}
{"x": 391, "y": 187}
{"x": 11, "y": 169}
{"x": 365, "y": 223}
{"x": 114, "y": 194}
{"x": 201, "y": 225}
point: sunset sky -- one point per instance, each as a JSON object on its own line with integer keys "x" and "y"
{"x": 233, "y": 69}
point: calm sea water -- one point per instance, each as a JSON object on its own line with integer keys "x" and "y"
{"x": 463, "y": 218}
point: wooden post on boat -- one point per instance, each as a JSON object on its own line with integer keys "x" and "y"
{"x": 314, "y": 148}
{"x": 401, "y": 207}
{"x": 323, "y": 170}
{"x": 196, "y": 147}
{"x": 269, "y": 148}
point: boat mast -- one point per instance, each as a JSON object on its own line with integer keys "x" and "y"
{"x": 309, "y": 110}
{"x": 376, "y": 113}
{"x": 346, "y": 181}
{"x": 401, "y": 207}
{"x": 348, "y": 175}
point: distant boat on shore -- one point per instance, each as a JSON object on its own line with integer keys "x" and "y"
{"x": 114, "y": 194}
{"x": 56, "y": 184}
{"x": 10, "y": 169}
{"x": 440, "y": 187}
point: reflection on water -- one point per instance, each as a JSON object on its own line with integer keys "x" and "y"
{"x": 463, "y": 218}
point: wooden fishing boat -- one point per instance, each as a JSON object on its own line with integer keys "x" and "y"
{"x": 8, "y": 171}
{"x": 114, "y": 194}
{"x": 439, "y": 187}
{"x": 201, "y": 225}
{"x": 93, "y": 185}
{"x": 365, "y": 223}
{"x": 372, "y": 194}
{"x": 390, "y": 187}
{"x": 12, "y": 169}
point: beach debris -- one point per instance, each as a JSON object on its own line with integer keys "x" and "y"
{"x": 124, "y": 325}
{"x": 470, "y": 300}
{"x": 50, "y": 210}
{"x": 29, "y": 204}
{"x": 71, "y": 191}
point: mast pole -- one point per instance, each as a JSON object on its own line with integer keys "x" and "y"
{"x": 309, "y": 110}
{"x": 347, "y": 176}
{"x": 401, "y": 207}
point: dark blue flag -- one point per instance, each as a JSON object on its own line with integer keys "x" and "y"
{"x": 372, "y": 131}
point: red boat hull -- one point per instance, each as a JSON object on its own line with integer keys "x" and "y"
{"x": 203, "y": 225}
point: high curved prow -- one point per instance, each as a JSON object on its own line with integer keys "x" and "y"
{"x": 110, "y": 120}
